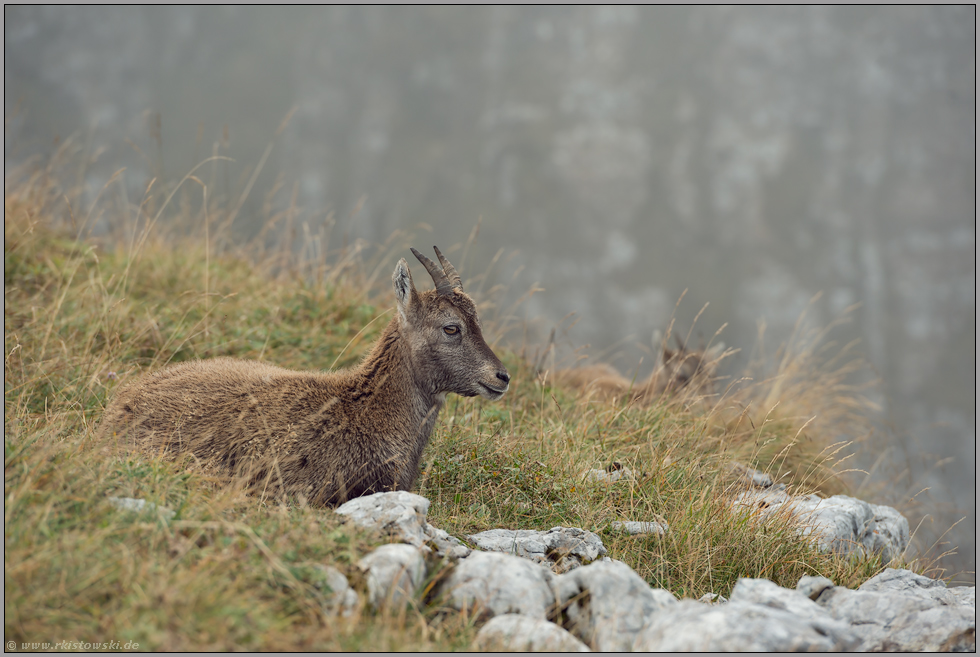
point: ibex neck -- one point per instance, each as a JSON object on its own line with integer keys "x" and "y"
{"x": 387, "y": 376}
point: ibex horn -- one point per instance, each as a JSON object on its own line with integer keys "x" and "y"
{"x": 439, "y": 277}
{"x": 447, "y": 267}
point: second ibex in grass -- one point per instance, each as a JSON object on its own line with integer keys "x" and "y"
{"x": 682, "y": 369}
{"x": 322, "y": 436}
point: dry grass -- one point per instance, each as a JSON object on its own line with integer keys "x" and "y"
{"x": 82, "y": 314}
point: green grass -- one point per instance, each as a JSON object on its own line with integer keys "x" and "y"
{"x": 230, "y": 571}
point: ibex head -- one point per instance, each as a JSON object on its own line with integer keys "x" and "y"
{"x": 683, "y": 366}
{"x": 443, "y": 330}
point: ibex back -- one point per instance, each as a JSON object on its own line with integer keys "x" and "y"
{"x": 323, "y": 437}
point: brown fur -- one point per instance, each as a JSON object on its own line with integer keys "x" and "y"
{"x": 680, "y": 369}
{"x": 325, "y": 436}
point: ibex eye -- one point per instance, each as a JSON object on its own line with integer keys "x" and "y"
{"x": 451, "y": 330}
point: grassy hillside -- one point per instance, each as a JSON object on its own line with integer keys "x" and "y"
{"x": 83, "y": 315}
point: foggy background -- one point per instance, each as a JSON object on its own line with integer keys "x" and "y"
{"x": 752, "y": 155}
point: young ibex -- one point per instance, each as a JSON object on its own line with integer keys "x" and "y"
{"x": 679, "y": 369}
{"x": 322, "y": 437}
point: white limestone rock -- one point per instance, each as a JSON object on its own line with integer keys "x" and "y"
{"x": 610, "y": 476}
{"x": 401, "y": 515}
{"x": 394, "y": 573}
{"x": 559, "y": 548}
{"x": 905, "y": 582}
{"x": 752, "y": 476}
{"x": 137, "y": 505}
{"x": 443, "y": 543}
{"x": 516, "y": 633}
{"x": 813, "y": 586}
{"x": 965, "y": 595}
{"x": 606, "y": 604}
{"x": 736, "y": 626}
{"x": 341, "y": 598}
{"x": 658, "y": 527}
{"x": 764, "y": 592}
{"x": 901, "y": 611}
{"x": 713, "y": 599}
{"x": 839, "y": 524}
{"x": 492, "y": 584}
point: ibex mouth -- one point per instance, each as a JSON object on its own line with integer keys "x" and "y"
{"x": 492, "y": 393}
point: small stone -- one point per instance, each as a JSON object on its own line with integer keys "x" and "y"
{"x": 610, "y": 476}
{"x": 637, "y": 528}
{"x": 713, "y": 599}
{"x": 813, "y": 587}
{"x": 753, "y": 476}
{"x": 137, "y": 505}
{"x": 342, "y": 599}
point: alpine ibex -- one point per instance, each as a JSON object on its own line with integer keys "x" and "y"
{"x": 679, "y": 369}
{"x": 322, "y": 436}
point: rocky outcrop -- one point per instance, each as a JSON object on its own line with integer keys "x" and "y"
{"x": 899, "y": 610}
{"x": 560, "y": 548}
{"x": 895, "y": 611}
{"x": 604, "y": 605}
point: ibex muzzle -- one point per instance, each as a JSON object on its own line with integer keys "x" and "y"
{"x": 324, "y": 437}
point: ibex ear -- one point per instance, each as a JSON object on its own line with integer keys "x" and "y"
{"x": 656, "y": 339}
{"x": 405, "y": 293}
{"x": 714, "y": 351}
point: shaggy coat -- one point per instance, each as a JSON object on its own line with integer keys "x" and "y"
{"x": 325, "y": 437}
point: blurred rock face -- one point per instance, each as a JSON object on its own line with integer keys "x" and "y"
{"x": 752, "y": 155}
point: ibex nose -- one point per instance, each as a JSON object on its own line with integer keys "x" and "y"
{"x": 503, "y": 376}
